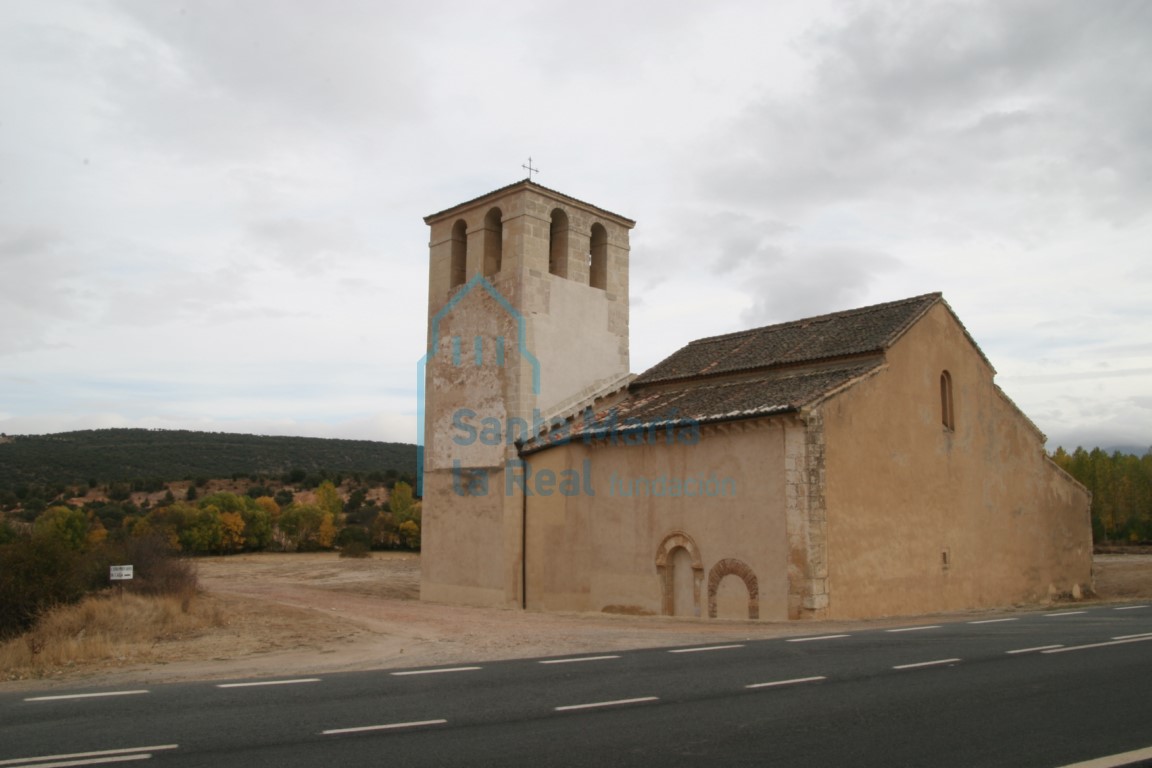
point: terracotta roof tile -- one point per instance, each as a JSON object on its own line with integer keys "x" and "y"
{"x": 842, "y": 334}
{"x": 708, "y": 400}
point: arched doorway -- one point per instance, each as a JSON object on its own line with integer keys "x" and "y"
{"x": 728, "y": 598}
{"x": 681, "y": 573}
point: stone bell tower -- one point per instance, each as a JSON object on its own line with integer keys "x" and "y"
{"x": 527, "y": 318}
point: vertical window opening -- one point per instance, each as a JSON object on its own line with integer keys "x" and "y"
{"x": 947, "y": 415}
{"x": 558, "y": 244}
{"x": 459, "y": 268}
{"x": 598, "y": 258}
{"x": 493, "y": 241}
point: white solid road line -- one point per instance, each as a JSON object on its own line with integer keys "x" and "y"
{"x": 132, "y": 752}
{"x": 615, "y": 703}
{"x": 269, "y": 682}
{"x": 914, "y": 629}
{"x": 705, "y": 648}
{"x": 809, "y": 639}
{"x": 1099, "y": 645}
{"x": 385, "y": 727}
{"x": 1064, "y": 613}
{"x": 1130, "y": 637}
{"x": 919, "y": 664}
{"x": 1129, "y": 607}
{"x": 576, "y": 659}
{"x": 991, "y": 621}
{"x": 1035, "y": 649}
{"x": 794, "y": 681}
{"x": 65, "y": 697}
{"x": 435, "y": 671}
{"x": 1114, "y": 761}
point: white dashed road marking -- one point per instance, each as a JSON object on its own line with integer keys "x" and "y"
{"x": 615, "y": 703}
{"x": 65, "y": 697}
{"x": 1099, "y": 645}
{"x": 1114, "y": 761}
{"x": 89, "y": 758}
{"x": 914, "y": 629}
{"x": 794, "y": 681}
{"x": 1035, "y": 649}
{"x": 810, "y": 639}
{"x": 705, "y": 648}
{"x": 269, "y": 682}
{"x": 435, "y": 671}
{"x": 919, "y": 664}
{"x": 385, "y": 727}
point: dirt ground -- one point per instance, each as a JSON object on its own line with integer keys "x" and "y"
{"x": 303, "y": 614}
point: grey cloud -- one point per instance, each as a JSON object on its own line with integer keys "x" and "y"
{"x": 809, "y": 281}
{"x": 215, "y": 77}
{"x": 307, "y": 246}
{"x": 1041, "y": 99}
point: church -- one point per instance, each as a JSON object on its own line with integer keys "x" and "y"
{"x": 857, "y": 464}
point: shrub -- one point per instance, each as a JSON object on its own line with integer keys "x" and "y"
{"x": 36, "y": 574}
{"x": 39, "y": 573}
{"x": 357, "y": 549}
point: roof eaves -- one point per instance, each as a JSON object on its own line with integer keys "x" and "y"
{"x": 798, "y": 364}
{"x": 527, "y": 184}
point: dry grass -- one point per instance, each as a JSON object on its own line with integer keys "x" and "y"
{"x": 106, "y": 628}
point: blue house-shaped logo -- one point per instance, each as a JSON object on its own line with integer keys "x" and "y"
{"x": 467, "y": 351}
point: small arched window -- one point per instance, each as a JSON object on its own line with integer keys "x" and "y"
{"x": 459, "y": 268}
{"x": 558, "y": 244}
{"x": 493, "y": 241}
{"x": 598, "y": 258}
{"x": 947, "y": 414}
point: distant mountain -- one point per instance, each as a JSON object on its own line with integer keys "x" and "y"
{"x": 113, "y": 455}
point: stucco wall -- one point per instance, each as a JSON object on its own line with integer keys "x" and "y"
{"x": 599, "y": 552}
{"x": 922, "y": 518}
{"x": 471, "y": 545}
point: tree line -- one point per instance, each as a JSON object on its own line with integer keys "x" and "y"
{"x": 126, "y": 455}
{"x": 1121, "y": 486}
{"x": 223, "y": 522}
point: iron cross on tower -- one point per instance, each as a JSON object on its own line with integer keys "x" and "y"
{"x": 530, "y": 169}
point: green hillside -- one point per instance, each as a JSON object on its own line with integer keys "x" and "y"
{"x": 117, "y": 455}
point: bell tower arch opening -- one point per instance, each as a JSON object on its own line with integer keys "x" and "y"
{"x": 493, "y": 242}
{"x": 598, "y": 258}
{"x": 459, "y": 267}
{"x": 558, "y": 243}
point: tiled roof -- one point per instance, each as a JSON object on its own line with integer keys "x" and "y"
{"x": 841, "y": 334}
{"x": 704, "y": 401}
{"x": 764, "y": 371}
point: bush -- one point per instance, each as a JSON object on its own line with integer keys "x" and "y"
{"x": 42, "y": 572}
{"x": 37, "y": 574}
{"x": 156, "y": 569}
{"x": 357, "y": 549}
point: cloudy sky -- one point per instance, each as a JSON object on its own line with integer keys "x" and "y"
{"x": 210, "y": 211}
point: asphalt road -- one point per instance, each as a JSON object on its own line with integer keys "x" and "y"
{"x": 1034, "y": 689}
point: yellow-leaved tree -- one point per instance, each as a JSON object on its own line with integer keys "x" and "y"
{"x": 232, "y": 531}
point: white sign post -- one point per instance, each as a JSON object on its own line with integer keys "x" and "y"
{"x": 120, "y": 573}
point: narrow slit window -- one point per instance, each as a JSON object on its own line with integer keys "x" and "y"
{"x": 947, "y": 414}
